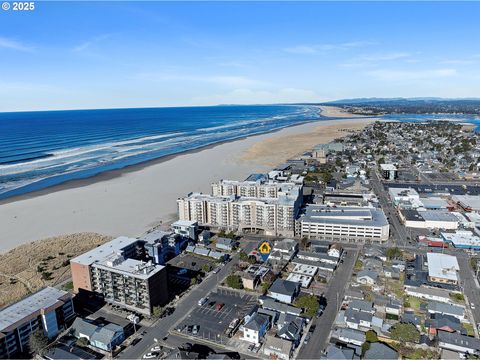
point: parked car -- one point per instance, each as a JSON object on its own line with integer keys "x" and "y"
{"x": 195, "y": 329}
{"x": 202, "y": 301}
{"x": 219, "y": 306}
{"x": 472, "y": 305}
{"x": 189, "y": 329}
{"x": 211, "y": 303}
{"x": 135, "y": 341}
{"x": 307, "y": 339}
{"x": 150, "y": 355}
{"x": 250, "y": 347}
{"x": 216, "y": 270}
{"x": 156, "y": 349}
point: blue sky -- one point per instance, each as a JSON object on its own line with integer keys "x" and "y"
{"x": 72, "y": 55}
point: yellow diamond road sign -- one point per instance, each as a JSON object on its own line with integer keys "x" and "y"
{"x": 265, "y": 248}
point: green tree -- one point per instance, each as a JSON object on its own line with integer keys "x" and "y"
{"x": 371, "y": 336}
{"x": 243, "y": 256}
{"x": 234, "y": 281}
{"x": 37, "y": 342}
{"x": 82, "y": 342}
{"x": 193, "y": 281}
{"x": 157, "y": 311}
{"x": 309, "y": 303}
{"x": 206, "y": 268}
{"x": 405, "y": 333}
{"x": 394, "y": 253}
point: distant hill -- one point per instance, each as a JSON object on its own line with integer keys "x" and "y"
{"x": 421, "y": 105}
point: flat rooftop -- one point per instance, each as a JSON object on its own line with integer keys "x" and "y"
{"x": 462, "y": 238}
{"x": 442, "y": 266}
{"x": 360, "y": 216}
{"x": 471, "y": 201}
{"x": 31, "y": 305}
{"x": 102, "y": 252}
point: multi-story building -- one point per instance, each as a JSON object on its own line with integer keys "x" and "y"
{"x": 273, "y": 215}
{"x": 254, "y": 189}
{"x": 48, "y": 310}
{"x": 112, "y": 271}
{"x": 160, "y": 246}
{"x": 389, "y": 171}
{"x": 348, "y": 224}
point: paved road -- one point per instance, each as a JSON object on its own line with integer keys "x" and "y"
{"x": 399, "y": 232}
{"x": 469, "y": 285}
{"x": 161, "y": 328}
{"x": 334, "y": 296}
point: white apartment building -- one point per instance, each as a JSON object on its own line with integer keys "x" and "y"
{"x": 272, "y": 209}
{"x": 348, "y": 224}
{"x": 253, "y": 189}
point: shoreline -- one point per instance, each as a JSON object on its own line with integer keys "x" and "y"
{"x": 112, "y": 174}
{"x": 131, "y": 200}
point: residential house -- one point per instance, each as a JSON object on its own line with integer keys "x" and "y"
{"x": 104, "y": 337}
{"x": 276, "y": 348}
{"x": 285, "y": 249}
{"x": 380, "y": 351}
{"x": 362, "y": 305}
{"x": 282, "y": 308}
{"x": 367, "y": 277}
{"x": 391, "y": 272}
{"x": 335, "y": 250}
{"x": 292, "y": 330}
{"x": 358, "y": 319}
{"x": 444, "y": 323}
{"x": 225, "y": 244}
{"x": 458, "y": 342}
{"x": 435, "y": 307}
{"x": 394, "y": 307}
{"x": 350, "y": 336}
{"x": 337, "y": 353}
{"x": 255, "y": 328}
{"x": 412, "y": 318}
{"x": 428, "y": 293}
{"x": 284, "y": 290}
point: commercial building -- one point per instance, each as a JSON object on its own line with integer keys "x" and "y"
{"x": 467, "y": 202}
{"x": 47, "y": 310}
{"x": 258, "y": 188}
{"x": 161, "y": 246}
{"x": 112, "y": 271}
{"x": 389, "y": 171}
{"x": 462, "y": 239}
{"x": 350, "y": 224}
{"x": 401, "y": 196}
{"x": 429, "y": 219}
{"x": 270, "y": 207}
{"x": 442, "y": 268}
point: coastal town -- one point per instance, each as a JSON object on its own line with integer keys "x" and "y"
{"x": 365, "y": 247}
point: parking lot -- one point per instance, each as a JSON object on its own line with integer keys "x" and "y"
{"x": 212, "y": 318}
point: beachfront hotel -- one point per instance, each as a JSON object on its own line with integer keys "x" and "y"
{"x": 111, "y": 271}
{"x": 348, "y": 224}
{"x": 269, "y": 207}
{"x": 48, "y": 309}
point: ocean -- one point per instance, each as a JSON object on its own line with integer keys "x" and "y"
{"x": 42, "y": 149}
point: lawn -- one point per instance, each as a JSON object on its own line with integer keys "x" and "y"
{"x": 414, "y": 303}
{"x": 469, "y": 328}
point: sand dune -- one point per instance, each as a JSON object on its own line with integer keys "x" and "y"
{"x": 131, "y": 201}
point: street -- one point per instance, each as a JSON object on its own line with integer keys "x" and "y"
{"x": 334, "y": 296}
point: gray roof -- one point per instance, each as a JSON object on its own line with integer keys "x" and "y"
{"x": 360, "y": 216}
{"x": 362, "y": 305}
{"x": 380, "y": 351}
{"x": 277, "y": 344}
{"x": 106, "y": 334}
{"x": 31, "y": 305}
{"x": 336, "y": 353}
{"x": 225, "y": 241}
{"x": 320, "y": 256}
{"x": 459, "y": 340}
{"x": 102, "y": 252}
{"x": 318, "y": 264}
{"x": 372, "y": 274}
{"x": 352, "y": 334}
{"x": 439, "y": 307}
{"x": 439, "y": 321}
{"x": 284, "y": 287}
{"x": 82, "y": 327}
{"x": 280, "y": 307}
{"x": 357, "y": 316}
{"x": 411, "y": 318}
{"x": 292, "y": 330}
{"x": 257, "y": 321}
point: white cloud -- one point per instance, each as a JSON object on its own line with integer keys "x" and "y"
{"x": 249, "y": 96}
{"x": 14, "y": 45}
{"x": 318, "y": 48}
{"x": 409, "y": 75}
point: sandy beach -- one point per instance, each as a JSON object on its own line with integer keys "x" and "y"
{"x": 131, "y": 201}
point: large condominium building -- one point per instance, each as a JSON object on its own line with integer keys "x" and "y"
{"x": 47, "y": 310}
{"x": 272, "y": 209}
{"x": 350, "y": 224}
{"x": 112, "y": 271}
{"x": 255, "y": 189}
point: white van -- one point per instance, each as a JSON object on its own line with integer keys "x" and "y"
{"x": 202, "y": 301}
